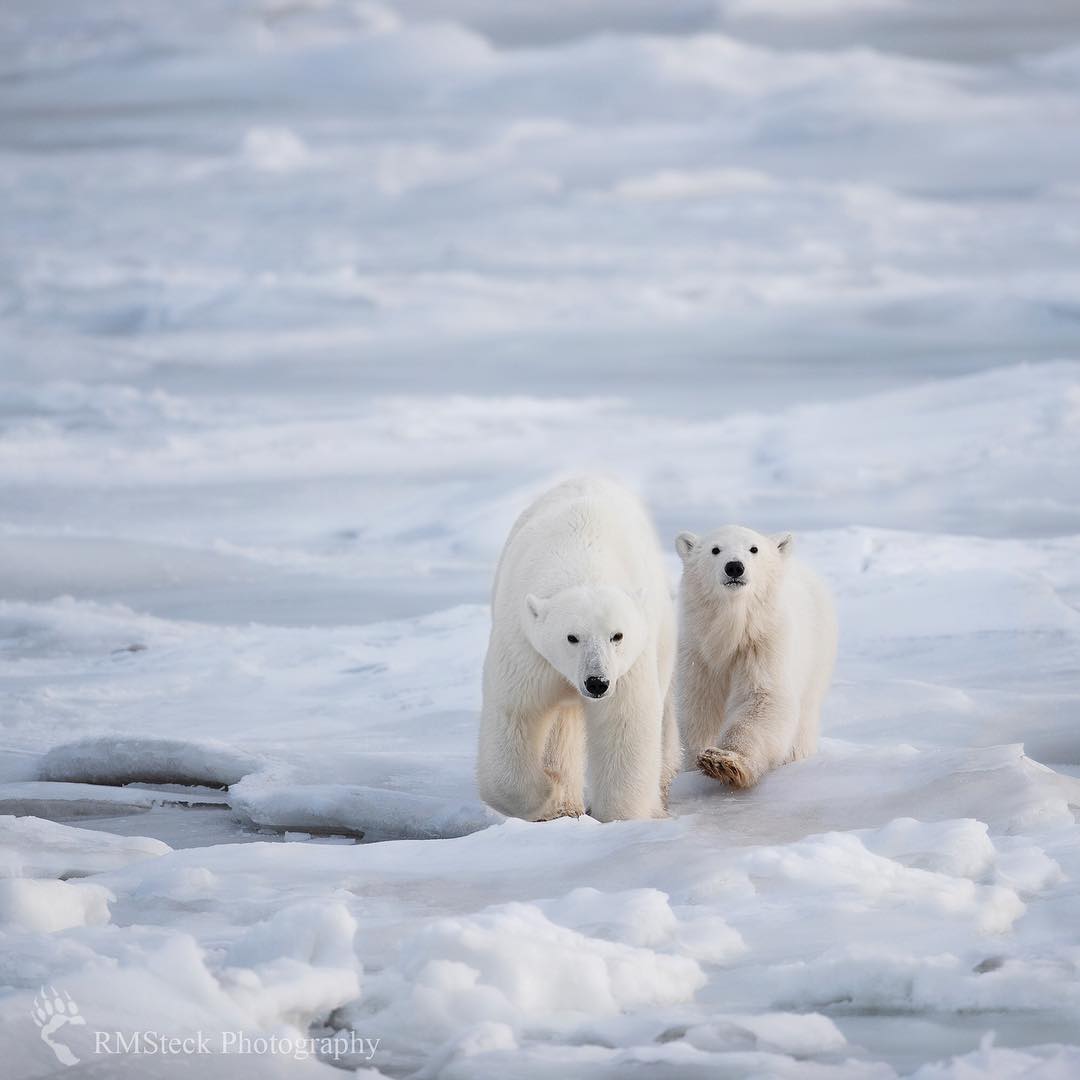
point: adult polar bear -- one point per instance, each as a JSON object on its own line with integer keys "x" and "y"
{"x": 582, "y": 639}
{"x": 757, "y": 644}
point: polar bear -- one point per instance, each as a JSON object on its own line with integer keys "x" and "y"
{"x": 757, "y": 644}
{"x": 582, "y": 648}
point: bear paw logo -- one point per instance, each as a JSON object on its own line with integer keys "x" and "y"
{"x": 51, "y": 1012}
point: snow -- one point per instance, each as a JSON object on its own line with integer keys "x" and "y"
{"x": 52, "y": 905}
{"x": 35, "y": 848}
{"x": 303, "y": 303}
{"x": 105, "y": 760}
{"x": 377, "y": 813}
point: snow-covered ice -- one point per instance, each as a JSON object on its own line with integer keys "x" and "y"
{"x": 301, "y": 303}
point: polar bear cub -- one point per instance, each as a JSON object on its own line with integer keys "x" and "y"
{"x": 757, "y": 644}
{"x": 582, "y": 650}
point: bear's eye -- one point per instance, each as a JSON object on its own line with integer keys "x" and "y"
{"x": 753, "y": 551}
{"x": 617, "y": 636}
{"x": 716, "y": 551}
{"x": 572, "y": 638}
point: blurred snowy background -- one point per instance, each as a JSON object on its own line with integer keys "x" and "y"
{"x": 301, "y": 302}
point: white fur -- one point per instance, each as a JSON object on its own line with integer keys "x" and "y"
{"x": 755, "y": 660}
{"x": 582, "y": 560}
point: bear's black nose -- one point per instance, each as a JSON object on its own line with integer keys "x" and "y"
{"x": 734, "y": 568}
{"x": 596, "y": 686}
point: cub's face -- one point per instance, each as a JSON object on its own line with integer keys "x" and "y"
{"x": 731, "y": 563}
{"x": 591, "y": 636}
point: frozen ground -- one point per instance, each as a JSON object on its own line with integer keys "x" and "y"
{"x": 300, "y": 303}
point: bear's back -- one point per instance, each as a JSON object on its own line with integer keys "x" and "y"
{"x": 586, "y": 528}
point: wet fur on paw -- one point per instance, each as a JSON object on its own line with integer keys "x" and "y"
{"x": 565, "y": 809}
{"x": 566, "y": 805}
{"x": 726, "y": 766}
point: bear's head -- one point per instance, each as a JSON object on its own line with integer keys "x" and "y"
{"x": 733, "y": 564}
{"x": 591, "y": 635}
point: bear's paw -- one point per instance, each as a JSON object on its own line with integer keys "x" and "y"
{"x": 727, "y": 766}
{"x": 566, "y": 808}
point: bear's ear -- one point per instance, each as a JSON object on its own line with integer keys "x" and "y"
{"x": 685, "y": 542}
{"x": 536, "y": 607}
{"x": 784, "y": 543}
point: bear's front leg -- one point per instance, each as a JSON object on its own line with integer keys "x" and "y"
{"x": 727, "y": 766}
{"x": 671, "y": 749}
{"x": 564, "y": 762}
{"x": 701, "y": 691}
{"x": 624, "y": 748}
{"x": 510, "y": 771}
{"x": 759, "y": 735}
